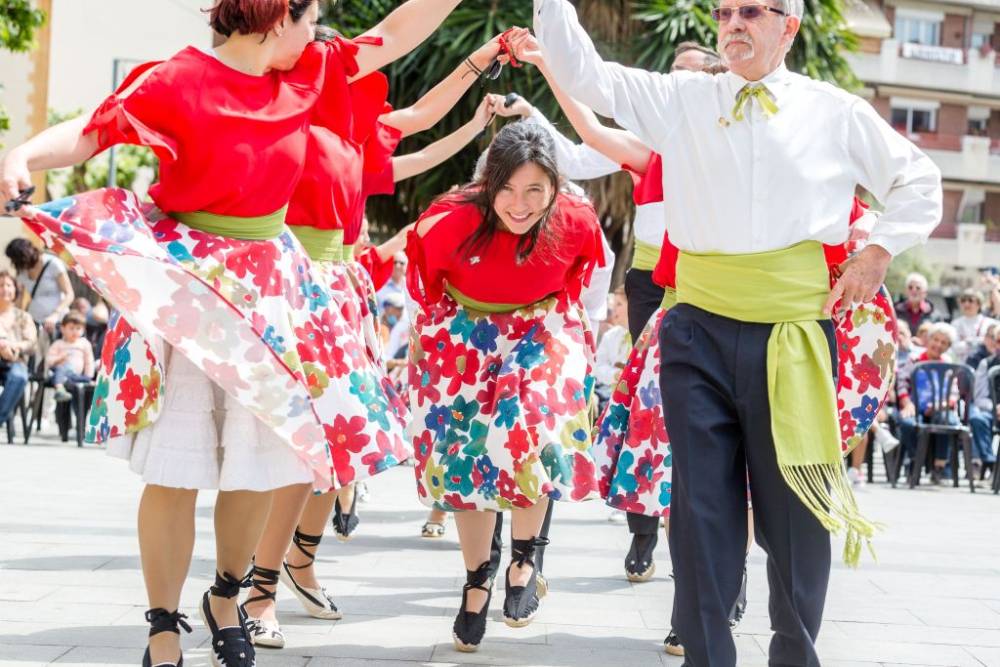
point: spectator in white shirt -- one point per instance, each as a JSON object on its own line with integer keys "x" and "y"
{"x": 613, "y": 349}
{"x": 971, "y": 325}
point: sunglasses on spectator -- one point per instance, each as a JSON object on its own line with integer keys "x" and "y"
{"x": 914, "y": 287}
{"x": 746, "y": 12}
{"x": 967, "y": 299}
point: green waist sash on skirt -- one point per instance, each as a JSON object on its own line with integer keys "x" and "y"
{"x": 788, "y": 288}
{"x": 483, "y": 306}
{"x": 259, "y": 228}
{"x": 645, "y": 256}
{"x": 669, "y": 298}
{"x": 323, "y": 245}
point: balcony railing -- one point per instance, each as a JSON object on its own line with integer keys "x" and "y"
{"x": 937, "y": 54}
{"x": 933, "y": 140}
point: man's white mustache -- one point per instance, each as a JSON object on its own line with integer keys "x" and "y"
{"x": 741, "y": 38}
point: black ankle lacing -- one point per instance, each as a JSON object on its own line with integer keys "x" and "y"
{"x": 161, "y": 620}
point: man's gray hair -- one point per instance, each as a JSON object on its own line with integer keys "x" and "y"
{"x": 793, "y": 7}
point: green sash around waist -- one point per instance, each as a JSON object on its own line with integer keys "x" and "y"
{"x": 322, "y": 245}
{"x": 483, "y": 306}
{"x": 645, "y": 256}
{"x": 788, "y": 288}
{"x": 260, "y": 228}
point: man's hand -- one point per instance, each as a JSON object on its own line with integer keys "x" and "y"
{"x": 907, "y": 410}
{"x": 525, "y": 47}
{"x": 7, "y": 352}
{"x": 860, "y": 279}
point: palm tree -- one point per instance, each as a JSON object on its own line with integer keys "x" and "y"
{"x": 639, "y": 32}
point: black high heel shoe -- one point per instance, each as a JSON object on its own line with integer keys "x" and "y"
{"x": 521, "y": 602}
{"x": 161, "y": 620}
{"x": 470, "y": 626}
{"x": 344, "y": 524}
{"x": 231, "y": 647}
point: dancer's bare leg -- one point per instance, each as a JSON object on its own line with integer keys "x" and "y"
{"x": 313, "y": 522}
{"x": 239, "y": 522}
{"x": 475, "y": 535}
{"x": 166, "y": 542}
{"x": 526, "y": 524}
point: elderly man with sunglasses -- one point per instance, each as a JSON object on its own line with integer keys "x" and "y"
{"x": 763, "y": 165}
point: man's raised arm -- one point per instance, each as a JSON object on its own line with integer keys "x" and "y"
{"x": 636, "y": 99}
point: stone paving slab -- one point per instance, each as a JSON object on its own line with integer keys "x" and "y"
{"x": 71, "y": 591}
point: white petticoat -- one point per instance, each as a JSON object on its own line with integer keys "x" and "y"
{"x": 204, "y": 439}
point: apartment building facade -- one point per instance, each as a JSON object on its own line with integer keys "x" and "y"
{"x": 932, "y": 70}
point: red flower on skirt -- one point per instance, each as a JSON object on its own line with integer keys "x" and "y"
{"x": 583, "y": 477}
{"x": 462, "y": 367}
{"x": 520, "y": 441}
{"x": 131, "y": 390}
{"x": 345, "y": 437}
{"x": 258, "y": 260}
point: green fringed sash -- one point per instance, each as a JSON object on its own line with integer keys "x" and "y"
{"x": 788, "y": 288}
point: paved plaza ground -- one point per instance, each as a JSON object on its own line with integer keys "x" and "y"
{"x": 71, "y": 589}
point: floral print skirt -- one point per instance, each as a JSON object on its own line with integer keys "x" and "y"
{"x": 631, "y": 442}
{"x": 501, "y": 406}
{"x": 257, "y": 317}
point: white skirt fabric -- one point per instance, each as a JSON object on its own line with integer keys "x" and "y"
{"x": 204, "y": 439}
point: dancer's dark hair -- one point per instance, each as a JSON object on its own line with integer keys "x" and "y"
{"x": 515, "y": 145}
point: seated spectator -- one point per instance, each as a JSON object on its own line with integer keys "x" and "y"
{"x": 17, "y": 343}
{"x": 907, "y": 345}
{"x": 987, "y": 348}
{"x": 917, "y": 396}
{"x": 70, "y": 359}
{"x": 613, "y": 349}
{"x": 923, "y": 332}
{"x": 915, "y": 309}
{"x": 971, "y": 325}
{"x": 45, "y": 281}
{"x": 982, "y": 414}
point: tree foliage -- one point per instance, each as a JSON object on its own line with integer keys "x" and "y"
{"x": 19, "y": 21}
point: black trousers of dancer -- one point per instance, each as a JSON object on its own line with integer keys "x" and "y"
{"x": 496, "y": 549}
{"x": 714, "y": 384}
{"x": 644, "y": 299}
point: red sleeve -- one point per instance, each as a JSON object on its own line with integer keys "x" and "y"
{"x": 431, "y": 255}
{"x": 647, "y": 183}
{"x": 858, "y": 209}
{"x": 379, "y": 178}
{"x": 838, "y": 254}
{"x": 136, "y": 118}
{"x": 580, "y": 219}
{"x": 379, "y": 269}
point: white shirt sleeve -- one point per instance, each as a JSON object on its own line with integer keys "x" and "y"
{"x": 637, "y": 100}
{"x": 594, "y": 296}
{"x": 577, "y": 162}
{"x": 900, "y": 176}
{"x": 609, "y": 353}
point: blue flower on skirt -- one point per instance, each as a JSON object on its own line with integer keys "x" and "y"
{"x": 865, "y": 413}
{"x": 665, "y": 494}
{"x": 276, "y": 343}
{"x": 508, "y": 411}
{"x": 489, "y": 471}
{"x": 558, "y": 467}
{"x": 115, "y": 232}
{"x": 315, "y": 294}
{"x": 298, "y": 405}
{"x": 122, "y": 360}
{"x": 179, "y": 252}
{"x": 362, "y": 387}
{"x": 650, "y": 395}
{"x": 378, "y": 411}
{"x": 462, "y": 326}
{"x": 615, "y": 420}
{"x": 56, "y": 207}
{"x": 484, "y": 336}
{"x": 462, "y": 412}
{"x": 459, "y": 476}
{"x": 624, "y": 479}
{"x": 529, "y": 354}
{"x": 438, "y": 420}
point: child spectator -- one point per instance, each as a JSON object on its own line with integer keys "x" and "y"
{"x": 71, "y": 358}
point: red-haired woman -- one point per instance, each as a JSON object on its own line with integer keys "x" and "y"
{"x": 220, "y": 373}
{"x": 338, "y": 163}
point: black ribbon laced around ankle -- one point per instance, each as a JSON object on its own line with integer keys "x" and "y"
{"x": 227, "y": 586}
{"x": 161, "y": 620}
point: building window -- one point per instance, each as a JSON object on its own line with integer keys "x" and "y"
{"x": 918, "y": 30}
{"x": 978, "y": 127}
{"x": 972, "y": 213}
{"x": 912, "y": 121}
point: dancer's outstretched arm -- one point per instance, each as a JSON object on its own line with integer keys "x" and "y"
{"x": 442, "y": 98}
{"x": 412, "y": 164}
{"x": 621, "y": 146}
{"x": 640, "y": 101}
{"x": 61, "y": 145}
{"x": 400, "y": 32}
